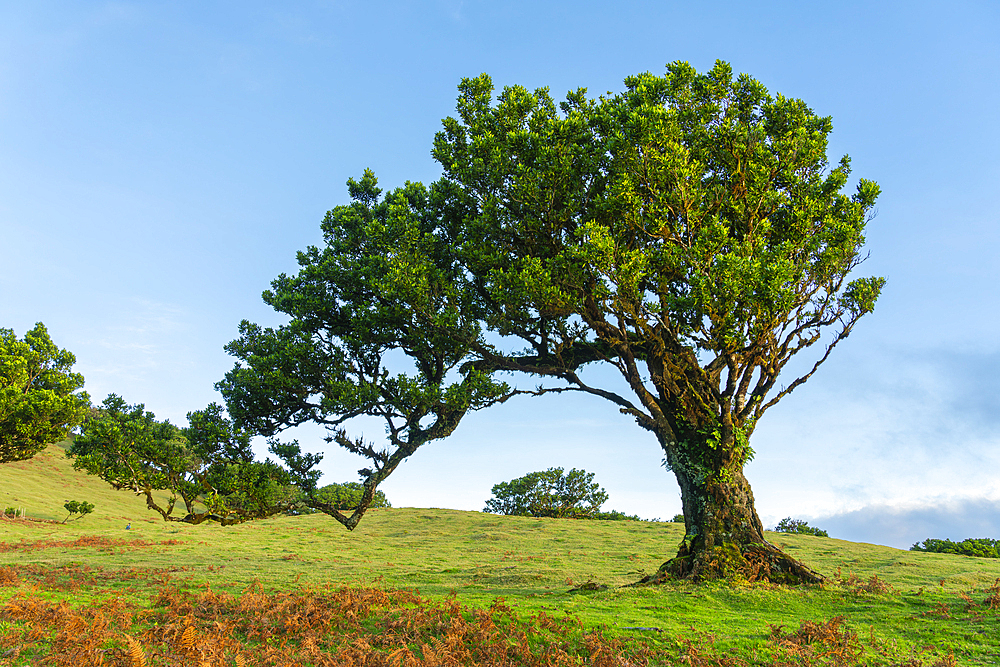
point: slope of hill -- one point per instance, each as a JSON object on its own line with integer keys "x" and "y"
{"x": 917, "y": 599}
{"x": 42, "y": 484}
{"x": 436, "y": 549}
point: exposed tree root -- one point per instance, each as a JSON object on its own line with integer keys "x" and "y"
{"x": 751, "y": 562}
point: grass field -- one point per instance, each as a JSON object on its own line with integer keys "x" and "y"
{"x": 921, "y": 609}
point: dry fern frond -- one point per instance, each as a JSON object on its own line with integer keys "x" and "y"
{"x": 9, "y": 578}
{"x": 186, "y": 641}
{"x": 135, "y": 652}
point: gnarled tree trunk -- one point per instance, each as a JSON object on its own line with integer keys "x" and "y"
{"x": 724, "y": 536}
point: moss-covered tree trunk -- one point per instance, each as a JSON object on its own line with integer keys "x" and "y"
{"x": 724, "y": 536}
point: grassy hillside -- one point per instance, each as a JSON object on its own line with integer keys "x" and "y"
{"x": 42, "y": 484}
{"x": 532, "y": 563}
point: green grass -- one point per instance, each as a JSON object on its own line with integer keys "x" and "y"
{"x": 532, "y": 563}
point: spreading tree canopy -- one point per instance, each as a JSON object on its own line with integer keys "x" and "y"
{"x": 209, "y": 465}
{"x": 40, "y": 397}
{"x": 385, "y": 286}
{"x": 689, "y": 233}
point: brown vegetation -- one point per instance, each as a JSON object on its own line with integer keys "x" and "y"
{"x": 95, "y": 541}
{"x": 345, "y": 626}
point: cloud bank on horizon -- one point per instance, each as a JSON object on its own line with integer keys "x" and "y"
{"x": 898, "y": 527}
{"x": 161, "y": 164}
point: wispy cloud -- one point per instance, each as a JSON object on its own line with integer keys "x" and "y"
{"x": 894, "y": 429}
{"x": 133, "y": 344}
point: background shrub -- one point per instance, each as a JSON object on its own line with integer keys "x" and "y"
{"x": 549, "y": 493}
{"x": 980, "y": 547}
{"x": 790, "y": 525}
{"x": 347, "y": 496}
{"x": 615, "y": 515}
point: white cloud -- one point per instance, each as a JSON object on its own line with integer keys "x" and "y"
{"x": 885, "y": 429}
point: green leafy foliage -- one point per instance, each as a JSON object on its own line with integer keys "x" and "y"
{"x": 209, "y": 462}
{"x": 981, "y": 547}
{"x": 790, "y": 525}
{"x": 549, "y": 493}
{"x": 615, "y": 515}
{"x": 348, "y": 496}
{"x": 82, "y": 508}
{"x": 378, "y": 327}
{"x": 40, "y": 397}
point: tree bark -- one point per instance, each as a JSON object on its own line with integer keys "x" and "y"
{"x": 724, "y": 537}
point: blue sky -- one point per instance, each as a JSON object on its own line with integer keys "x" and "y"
{"x": 161, "y": 163}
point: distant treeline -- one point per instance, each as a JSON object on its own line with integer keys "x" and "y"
{"x": 981, "y": 547}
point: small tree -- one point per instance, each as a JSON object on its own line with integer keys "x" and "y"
{"x": 82, "y": 508}
{"x": 40, "y": 397}
{"x": 549, "y": 493}
{"x": 208, "y": 462}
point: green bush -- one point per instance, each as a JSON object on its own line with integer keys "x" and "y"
{"x": 615, "y": 515}
{"x": 980, "y": 547}
{"x": 790, "y": 525}
{"x": 549, "y": 493}
{"x": 347, "y": 496}
{"x": 678, "y": 518}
